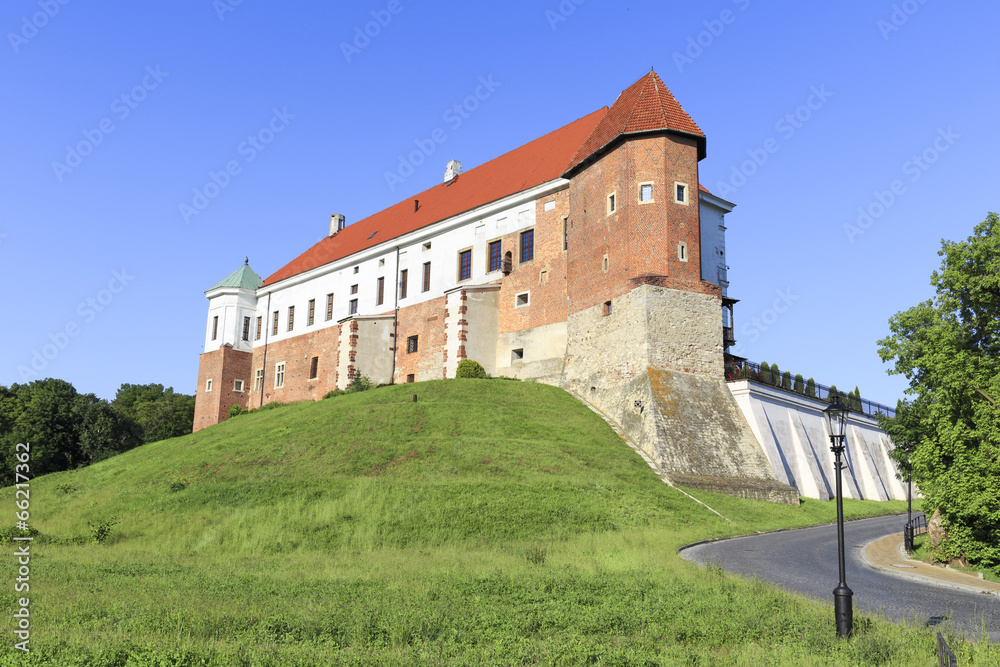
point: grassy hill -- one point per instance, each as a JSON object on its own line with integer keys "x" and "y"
{"x": 490, "y": 522}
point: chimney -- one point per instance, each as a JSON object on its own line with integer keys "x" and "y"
{"x": 453, "y": 169}
{"x": 337, "y": 222}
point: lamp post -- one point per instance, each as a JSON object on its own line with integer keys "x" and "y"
{"x": 908, "y": 528}
{"x": 843, "y": 610}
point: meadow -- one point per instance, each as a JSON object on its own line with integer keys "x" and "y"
{"x": 488, "y": 523}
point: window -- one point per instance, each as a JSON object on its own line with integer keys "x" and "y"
{"x": 354, "y": 289}
{"x": 427, "y": 277}
{"x": 527, "y": 245}
{"x": 312, "y": 312}
{"x": 604, "y": 264}
{"x": 645, "y": 192}
{"x": 521, "y": 300}
{"x": 402, "y": 283}
{"x": 258, "y": 383}
{"x": 465, "y": 264}
{"x": 208, "y": 385}
{"x": 682, "y": 253}
{"x": 680, "y": 195}
{"x": 427, "y": 246}
{"x": 291, "y": 317}
{"x": 314, "y": 368}
{"x": 411, "y": 378}
{"x": 215, "y": 327}
{"x": 260, "y": 324}
{"x": 411, "y": 344}
{"x": 611, "y": 203}
{"x": 516, "y": 355}
{"x": 246, "y": 328}
{"x": 329, "y": 307}
{"x": 380, "y": 291}
{"x": 358, "y": 268}
{"x": 274, "y": 325}
{"x": 495, "y": 258}
{"x": 279, "y": 375}
{"x": 606, "y": 308}
{"x": 565, "y": 229}
{"x": 354, "y": 307}
{"x": 238, "y": 386}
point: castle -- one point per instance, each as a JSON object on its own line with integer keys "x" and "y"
{"x": 590, "y": 258}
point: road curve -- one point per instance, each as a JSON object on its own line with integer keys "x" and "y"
{"x": 805, "y": 561}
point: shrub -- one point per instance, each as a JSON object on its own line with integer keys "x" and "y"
{"x": 235, "y": 410}
{"x": 101, "y": 530}
{"x": 798, "y": 388}
{"x": 10, "y": 532}
{"x": 178, "y": 486}
{"x": 468, "y": 368}
{"x": 775, "y": 375}
{"x": 359, "y": 383}
{"x": 811, "y": 387}
{"x": 786, "y": 380}
{"x": 765, "y": 373}
{"x": 536, "y": 554}
{"x": 334, "y": 393}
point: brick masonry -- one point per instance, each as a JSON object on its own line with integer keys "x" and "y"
{"x": 223, "y": 366}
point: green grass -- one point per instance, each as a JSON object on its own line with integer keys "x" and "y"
{"x": 921, "y": 551}
{"x": 488, "y": 523}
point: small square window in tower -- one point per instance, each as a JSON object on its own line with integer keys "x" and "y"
{"x": 646, "y": 192}
{"x": 411, "y": 344}
{"x": 612, "y": 203}
{"x": 681, "y": 193}
{"x": 522, "y": 300}
{"x": 606, "y": 309}
{"x": 238, "y": 386}
{"x": 411, "y": 378}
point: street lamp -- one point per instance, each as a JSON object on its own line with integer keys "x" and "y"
{"x": 908, "y": 528}
{"x": 836, "y": 419}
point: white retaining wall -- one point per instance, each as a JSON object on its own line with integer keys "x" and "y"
{"x": 793, "y": 433}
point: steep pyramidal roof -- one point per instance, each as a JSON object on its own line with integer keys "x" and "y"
{"x": 243, "y": 277}
{"x": 645, "y": 106}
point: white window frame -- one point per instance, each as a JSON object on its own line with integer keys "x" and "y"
{"x": 527, "y": 299}
{"x": 238, "y": 386}
{"x": 652, "y": 197}
{"x": 611, "y": 202}
{"x": 208, "y": 385}
{"x": 279, "y": 375}
{"x": 687, "y": 193}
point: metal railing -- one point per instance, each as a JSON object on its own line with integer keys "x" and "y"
{"x": 784, "y": 380}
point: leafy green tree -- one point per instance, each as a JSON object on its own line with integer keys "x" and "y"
{"x": 160, "y": 413}
{"x": 798, "y": 387}
{"x": 765, "y": 372}
{"x": 40, "y": 414}
{"x": 775, "y": 375}
{"x": 949, "y": 349}
{"x": 811, "y": 387}
{"x": 101, "y": 430}
{"x": 786, "y": 380}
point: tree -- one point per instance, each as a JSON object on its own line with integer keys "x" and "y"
{"x": 40, "y": 414}
{"x": 798, "y": 387}
{"x": 102, "y": 431}
{"x": 811, "y": 387}
{"x": 949, "y": 349}
{"x": 159, "y": 413}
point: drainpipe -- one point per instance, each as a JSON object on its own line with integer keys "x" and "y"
{"x": 395, "y": 322}
{"x": 267, "y": 330}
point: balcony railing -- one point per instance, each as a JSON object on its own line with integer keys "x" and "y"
{"x": 794, "y": 384}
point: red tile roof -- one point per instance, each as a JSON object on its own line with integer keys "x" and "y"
{"x": 533, "y": 164}
{"x": 647, "y": 105}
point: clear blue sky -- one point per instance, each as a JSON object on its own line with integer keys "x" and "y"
{"x": 161, "y": 95}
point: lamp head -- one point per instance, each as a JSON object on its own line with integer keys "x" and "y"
{"x": 836, "y": 417}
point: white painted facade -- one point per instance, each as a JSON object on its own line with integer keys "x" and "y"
{"x": 793, "y": 433}
{"x": 230, "y": 305}
{"x": 712, "y": 211}
{"x": 438, "y": 244}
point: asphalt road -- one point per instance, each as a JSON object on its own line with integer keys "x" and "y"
{"x": 806, "y": 561}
